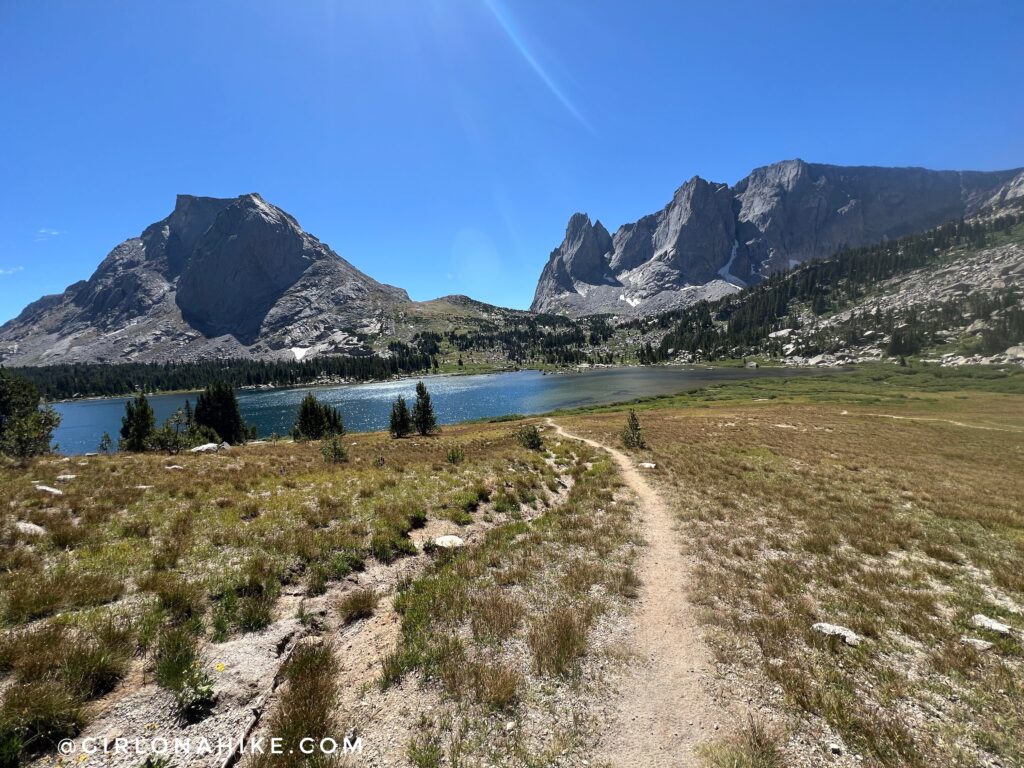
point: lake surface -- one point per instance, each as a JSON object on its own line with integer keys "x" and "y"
{"x": 365, "y": 407}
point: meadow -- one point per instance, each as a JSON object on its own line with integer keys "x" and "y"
{"x": 266, "y": 590}
{"x": 889, "y": 503}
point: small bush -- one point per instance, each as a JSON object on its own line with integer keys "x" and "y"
{"x": 387, "y": 545}
{"x": 632, "y": 437}
{"x": 528, "y": 436}
{"x": 334, "y": 450}
{"x": 358, "y": 604}
{"x": 455, "y": 454}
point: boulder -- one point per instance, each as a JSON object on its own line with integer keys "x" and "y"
{"x": 981, "y": 621}
{"x": 206, "y": 448}
{"x": 647, "y": 465}
{"x": 449, "y": 542}
{"x": 976, "y": 644}
{"x": 49, "y": 490}
{"x": 65, "y": 478}
{"x": 848, "y": 636}
{"x": 29, "y": 529}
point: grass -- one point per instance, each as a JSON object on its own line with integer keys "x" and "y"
{"x": 754, "y": 746}
{"x": 804, "y": 502}
{"x": 794, "y": 512}
{"x": 204, "y": 553}
{"x": 558, "y": 638}
{"x": 306, "y": 709}
{"x": 357, "y": 604}
{"x": 497, "y": 628}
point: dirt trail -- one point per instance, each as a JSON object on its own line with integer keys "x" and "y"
{"x": 663, "y": 709}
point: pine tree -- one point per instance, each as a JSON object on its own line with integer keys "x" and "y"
{"x": 217, "y": 408}
{"x": 632, "y": 437}
{"x": 317, "y": 420}
{"x": 399, "y": 423}
{"x": 423, "y": 411}
{"x": 138, "y": 424}
{"x": 26, "y": 426}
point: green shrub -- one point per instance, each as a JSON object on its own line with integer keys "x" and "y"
{"x": 529, "y": 437}
{"x": 387, "y": 545}
{"x": 333, "y": 450}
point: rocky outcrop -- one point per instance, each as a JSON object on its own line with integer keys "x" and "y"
{"x": 234, "y": 277}
{"x": 712, "y": 239}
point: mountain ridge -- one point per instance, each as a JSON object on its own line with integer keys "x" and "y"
{"x": 217, "y": 277}
{"x": 712, "y": 238}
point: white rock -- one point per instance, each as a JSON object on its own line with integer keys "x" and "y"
{"x": 224, "y": 446}
{"x": 174, "y": 466}
{"x": 65, "y": 478}
{"x": 1015, "y": 353}
{"x": 90, "y": 454}
{"x": 780, "y": 334}
{"x": 647, "y": 465}
{"x": 449, "y": 542}
{"x": 29, "y": 529}
{"x": 834, "y": 630}
{"x": 206, "y": 448}
{"x": 976, "y": 644}
{"x": 981, "y": 621}
{"x": 48, "y": 489}
{"x": 144, "y": 487}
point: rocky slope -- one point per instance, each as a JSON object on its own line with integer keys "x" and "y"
{"x": 713, "y": 239}
{"x": 216, "y": 278}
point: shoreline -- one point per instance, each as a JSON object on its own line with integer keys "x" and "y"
{"x": 546, "y": 370}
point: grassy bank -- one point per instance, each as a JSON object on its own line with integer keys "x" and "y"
{"x": 888, "y": 502}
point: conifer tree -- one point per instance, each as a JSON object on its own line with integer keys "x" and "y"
{"x": 399, "y": 424}
{"x": 217, "y": 408}
{"x": 317, "y": 420}
{"x": 138, "y": 425}
{"x": 423, "y": 418}
{"x": 632, "y": 437}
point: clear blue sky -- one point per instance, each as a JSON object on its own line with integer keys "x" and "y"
{"x": 441, "y": 145}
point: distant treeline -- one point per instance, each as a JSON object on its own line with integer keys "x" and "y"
{"x": 730, "y": 326}
{"x": 550, "y": 339}
{"x": 56, "y": 382}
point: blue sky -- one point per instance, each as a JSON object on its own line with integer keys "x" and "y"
{"x": 441, "y": 145}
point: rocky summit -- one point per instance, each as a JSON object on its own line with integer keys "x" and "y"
{"x": 234, "y": 277}
{"x": 713, "y": 239}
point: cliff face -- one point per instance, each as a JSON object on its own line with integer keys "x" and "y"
{"x": 217, "y": 277}
{"x": 712, "y": 239}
